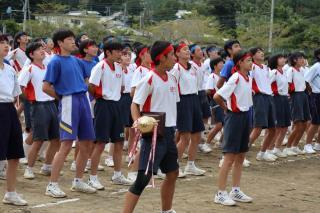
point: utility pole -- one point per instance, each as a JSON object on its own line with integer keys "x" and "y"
{"x": 271, "y": 26}
{"x": 125, "y": 13}
{"x": 25, "y": 10}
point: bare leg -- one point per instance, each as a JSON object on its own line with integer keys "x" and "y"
{"x": 167, "y": 190}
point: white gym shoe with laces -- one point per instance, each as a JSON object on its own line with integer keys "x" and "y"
{"x": 224, "y": 199}
{"x": 238, "y": 195}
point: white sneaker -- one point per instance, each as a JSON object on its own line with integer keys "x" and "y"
{"x": 308, "y": 149}
{"x": 53, "y": 190}
{"x": 45, "y": 172}
{"x": 28, "y": 173}
{"x": 109, "y": 162}
{"x": 224, "y": 199}
{"x": 205, "y": 148}
{"x": 193, "y": 170}
{"x": 121, "y": 180}
{"x": 240, "y": 197}
{"x": 170, "y": 211}
{"x": 160, "y": 175}
{"x": 80, "y": 186}
{"x": 246, "y": 163}
{"x": 221, "y": 162}
{"x": 316, "y": 146}
{"x": 277, "y": 152}
{"x": 14, "y": 200}
{"x": 271, "y": 154}
{"x": 3, "y": 174}
{"x": 95, "y": 183}
{"x": 264, "y": 156}
{"x": 297, "y": 150}
{"x": 289, "y": 152}
{"x": 181, "y": 174}
{"x": 23, "y": 161}
{"x": 132, "y": 176}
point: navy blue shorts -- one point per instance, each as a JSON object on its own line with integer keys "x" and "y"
{"x": 125, "y": 103}
{"x": 166, "y": 156}
{"x": 282, "y": 108}
{"x": 27, "y": 114}
{"x": 204, "y": 104}
{"x": 10, "y": 133}
{"x": 75, "y": 118}
{"x": 300, "y": 107}
{"x": 315, "y": 108}
{"x": 218, "y": 113}
{"x": 189, "y": 117}
{"x": 263, "y": 111}
{"x": 44, "y": 121}
{"x": 107, "y": 123}
{"x": 236, "y": 132}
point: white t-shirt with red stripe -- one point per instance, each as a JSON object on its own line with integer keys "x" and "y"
{"x": 157, "y": 94}
{"x": 31, "y": 78}
{"x": 279, "y": 81}
{"x": 202, "y": 74}
{"x": 212, "y": 83}
{"x": 296, "y": 79}
{"x": 127, "y": 75}
{"x": 261, "y": 82}
{"x": 237, "y": 92}
{"x": 138, "y": 74}
{"x": 17, "y": 58}
{"x": 9, "y": 86}
{"x": 108, "y": 79}
{"x": 187, "y": 79}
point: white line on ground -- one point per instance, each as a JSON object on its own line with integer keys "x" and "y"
{"x": 56, "y": 203}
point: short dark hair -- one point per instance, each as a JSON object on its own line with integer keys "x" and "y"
{"x": 17, "y": 36}
{"x": 109, "y": 46}
{"x": 254, "y": 50}
{"x": 316, "y": 54}
{"x": 273, "y": 60}
{"x": 37, "y": 39}
{"x": 60, "y": 35}
{"x": 78, "y": 38}
{"x": 192, "y": 48}
{"x": 215, "y": 62}
{"x": 211, "y": 48}
{"x": 229, "y": 44}
{"x": 294, "y": 56}
{"x": 33, "y": 46}
{"x": 157, "y": 48}
{"x": 85, "y": 44}
{"x": 4, "y": 38}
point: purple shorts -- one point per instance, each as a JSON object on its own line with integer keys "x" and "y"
{"x": 75, "y": 118}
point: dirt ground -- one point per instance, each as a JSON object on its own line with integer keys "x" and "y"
{"x": 289, "y": 185}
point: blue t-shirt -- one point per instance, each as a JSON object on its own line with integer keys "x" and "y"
{"x": 67, "y": 75}
{"x": 226, "y": 69}
{"x": 88, "y": 65}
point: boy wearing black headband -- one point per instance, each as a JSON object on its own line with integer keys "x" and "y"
{"x": 237, "y": 93}
{"x": 157, "y": 92}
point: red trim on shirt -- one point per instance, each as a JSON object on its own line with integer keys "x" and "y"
{"x": 292, "y": 87}
{"x": 17, "y": 65}
{"x": 98, "y": 91}
{"x": 259, "y": 65}
{"x": 29, "y": 89}
{"x": 41, "y": 66}
{"x": 186, "y": 68}
{"x": 198, "y": 64}
{"x": 245, "y": 77}
{"x": 234, "y": 106}
{"x": 147, "y": 104}
{"x": 280, "y": 70}
{"x": 110, "y": 65}
{"x": 162, "y": 78}
{"x": 274, "y": 87}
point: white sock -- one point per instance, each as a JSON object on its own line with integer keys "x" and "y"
{"x": 10, "y": 194}
{"x": 116, "y": 173}
{"x": 43, "y": 149}
{"x": 167, "y": 211}
{"x": 28, "y": 167}
{"x": 235, "y": 189}
{"x": 46, "y": 166}
{"x": 26, "y": 148}
{"x": 93, "y": 177}
{"x": 190, "y": 163}
{"x": 53, "y": 183}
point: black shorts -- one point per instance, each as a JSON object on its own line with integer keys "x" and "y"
{"x": 282, "y": 108}
{"x": 44, "y": 121}
{"x": 204, "y": 104}
{"x": 300, "y": 107}
{"x": 166, "y": 156}
{"x": 217, "y": 112}
{"x": 315, "y": 108}
{"x": 10, "y": 133}
{"x": 236, "y": 132}
{"x": 107, "y": 123}
{"x": 263, "y": 111}
{"x": 27, "y": 114}
{"x": 189, "y": 117}
{"x": 125, "y": 103}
